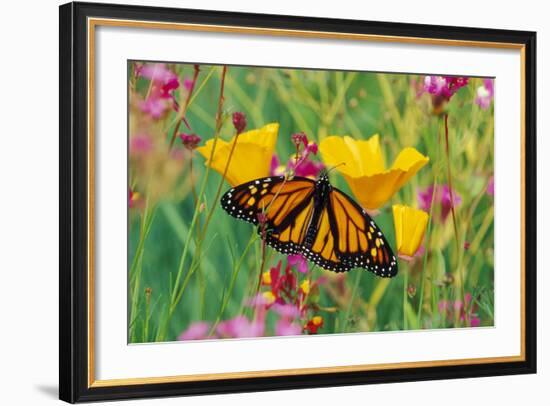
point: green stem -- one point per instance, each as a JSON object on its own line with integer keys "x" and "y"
{"x": 234, "y": 275}
{"x": 405, "y": 283}
{"x": 183, "y": 112}
{"x": 147, "y": 314}
{"x": 136, "y": 267}
{"x": 434, "y": 292}
{"x": 177, "y": 117}
{"x": 219, "y": 190}
{"x": 177, "y": 292}
{"x": 425, "y": 259}
{"x": 451, "y": 195}
{"x": 354, "y": 291}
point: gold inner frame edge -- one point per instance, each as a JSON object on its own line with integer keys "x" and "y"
{"x": 92, "y": 23}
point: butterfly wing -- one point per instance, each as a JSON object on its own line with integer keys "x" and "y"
{"x": 359, "y": 241}
{"x": 323, "y": 250}
{"x": 289, "y": 236}
{"x": 286, "y": 204}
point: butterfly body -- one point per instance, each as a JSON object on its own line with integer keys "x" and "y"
{"x": 313, "y": 219}
{"x": 320, "y": 200}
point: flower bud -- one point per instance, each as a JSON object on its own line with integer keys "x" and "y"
{"x": 190, "y": 141}
{"x": 239, "y": 121}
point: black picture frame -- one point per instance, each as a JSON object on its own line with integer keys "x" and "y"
{"x": 73, "y": 283}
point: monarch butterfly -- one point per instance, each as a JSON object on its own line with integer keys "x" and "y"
{"x": 314, "y": 219}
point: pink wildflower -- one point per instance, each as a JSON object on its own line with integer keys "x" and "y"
{"x": 285, "y": 327}
{"x": 164, "y": 83}
{"x": 241, "y": 327}
{"x": 303, "y": 166}
{"x": 140, "y": 144}
{"x": 442, "y": 198}
{"x": 157, "y": 72}
{"x": 299, "y": 138}
{"x": 188, "y": 84}
{"x": 465, "y": 309}
{"x": 484, "y": 94}
{"x": 154, "y": 106}
{"x": 196, "y": 331}
{"x": 491, "y": 186}
{"x": 298, "y": 262}
{"x": 444, "y": 86}
{"x": 288, "y": 311}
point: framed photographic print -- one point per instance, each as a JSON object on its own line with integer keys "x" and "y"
{"x": 255, "y": 202}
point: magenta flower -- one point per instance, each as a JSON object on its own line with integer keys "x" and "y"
{"x": 298, "y": 262}
{"x": 435, "y": 84}
{"x": 442, "y": 198}
{"x": 241, "y": 327}
{"x": 166, "y": 89}
{"x": 309, "y": 169}
{"x": 491, "y": 186}
{"x": 444, "y": 86}
{"x": 299, "y": 138}
{"x": 283, "y": 283}
{"x": 196, "y": 331}
{"x": 311, "y": 148}
{"x": 303, "y": 166}
{"x": 140, "y": 144}
{"x": 485, "y": 93}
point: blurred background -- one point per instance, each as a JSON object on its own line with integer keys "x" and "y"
{"x": 194, "y": 270}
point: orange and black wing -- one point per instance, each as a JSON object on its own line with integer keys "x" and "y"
{"x": 359, "y": 241}
{"x": 323, "y": 249}
{"x": 287, "y": 205}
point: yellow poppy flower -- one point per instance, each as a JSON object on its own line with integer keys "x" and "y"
{"x": 365, "y": 170}
{"x": 410, "y": 226}
{"x": 251, "y": 158}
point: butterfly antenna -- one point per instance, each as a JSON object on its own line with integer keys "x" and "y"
{"x": 335, "y": 166}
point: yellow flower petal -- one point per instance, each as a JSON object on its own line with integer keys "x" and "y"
{"x": 364, "y": 170}
{"x": 266, "y": 278}
{"x": 269, "y": 297}
{"x": 265, "y": 137}
{"x": 251, "y": 158}
{"x": 305, "y": 286}
{"x": 410, "y": 226}
{"x": 361, "y": 157}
